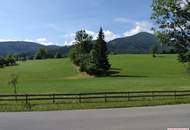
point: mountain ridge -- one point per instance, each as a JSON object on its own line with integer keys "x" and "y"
{"x": 140, "y": 43}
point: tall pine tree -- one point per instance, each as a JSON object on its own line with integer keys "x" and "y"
{"x": 100, "y": 47}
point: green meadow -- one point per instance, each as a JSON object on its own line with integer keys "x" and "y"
{"x": 130, "y": 73}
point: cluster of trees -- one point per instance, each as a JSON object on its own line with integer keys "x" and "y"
{"x": 161, "y": 49}
{"x": 40, "y": 54}
{"x": 10, "y": 60}
{"x": 91, "y": 55}
{"x": 157, "y": 49}
{"x": 172, "y": 18}
{"x": 24, "y": 56}
{"x": 7, "y": 61}
{"x": 44, "y": 54}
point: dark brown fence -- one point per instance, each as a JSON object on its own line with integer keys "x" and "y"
{"x": 90, "y": 97}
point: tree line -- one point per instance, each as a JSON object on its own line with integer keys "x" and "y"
{"x": 7, "y": 61}
{"x": 90, "y": 55}
{"x": 40, "y": 54}
{"x": 10, "y": 60}
{"x": 45, "y": 54}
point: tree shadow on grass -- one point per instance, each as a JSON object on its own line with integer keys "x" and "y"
{"x": 115, "y": 72}
{"x": 128, "y": 76}
{"x": 115, "y": 69}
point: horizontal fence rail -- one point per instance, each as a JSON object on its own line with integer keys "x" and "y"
{"x": 89, "y": 97}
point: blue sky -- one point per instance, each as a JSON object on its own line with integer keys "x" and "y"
{"x": 56, "y": 21}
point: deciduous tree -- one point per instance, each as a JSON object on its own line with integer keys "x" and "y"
{"x": 172, "y": 18}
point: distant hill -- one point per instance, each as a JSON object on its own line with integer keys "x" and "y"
{"x": 13, "y": 47}
{"x": 139, "y": 43}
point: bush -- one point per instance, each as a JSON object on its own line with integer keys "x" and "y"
{"x": 41, "y": 54}
{"x": 58, "y": 55}
{"x": 74, "y": 56}
{"x": 8, "y": 61}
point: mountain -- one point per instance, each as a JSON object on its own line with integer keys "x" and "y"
{"x": 139, "y": 43}
{"x": 13, "y": 47}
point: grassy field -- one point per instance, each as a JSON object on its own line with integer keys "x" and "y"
{"x": 135, "y": 73}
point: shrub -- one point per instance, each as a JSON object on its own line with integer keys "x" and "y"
{"x": 41, "y": 54}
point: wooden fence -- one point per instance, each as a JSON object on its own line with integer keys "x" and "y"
{"x": 90, "y": 97}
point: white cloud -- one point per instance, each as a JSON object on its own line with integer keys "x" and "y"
{"x": 69, "y": 39}
{"x": 69, "y": 43}
{"x": 143, "y": 26}
{"x": 109, "y": 35}
{"x": 6, "y": 40}
{"x": 42, "y": 41}
{"x": 93, "y": 34}
{"x": 29, "y": 40}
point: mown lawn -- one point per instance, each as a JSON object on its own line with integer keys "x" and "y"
{"x": 132, "y": 73}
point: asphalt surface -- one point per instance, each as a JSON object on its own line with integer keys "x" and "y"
{"x": 144, "y": 118}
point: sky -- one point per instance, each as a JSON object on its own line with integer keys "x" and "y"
{"x": 55, "y": 22}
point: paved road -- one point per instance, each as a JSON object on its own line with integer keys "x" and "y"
{"x": 150, "y": 118}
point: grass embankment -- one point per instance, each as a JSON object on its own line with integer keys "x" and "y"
{"x": 20, "y": 107}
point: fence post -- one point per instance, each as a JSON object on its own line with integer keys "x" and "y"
{"x": 53, "y": 95}
{"x": 26, "y": 98}
{"x": 16, "y": 97}
{"x": 80, "y": 98}
{"x": 128, "y": 96}
{"x": 105, "y": 97}
{"x": 152, "y": 95}
{"x": 175, "y": 94}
